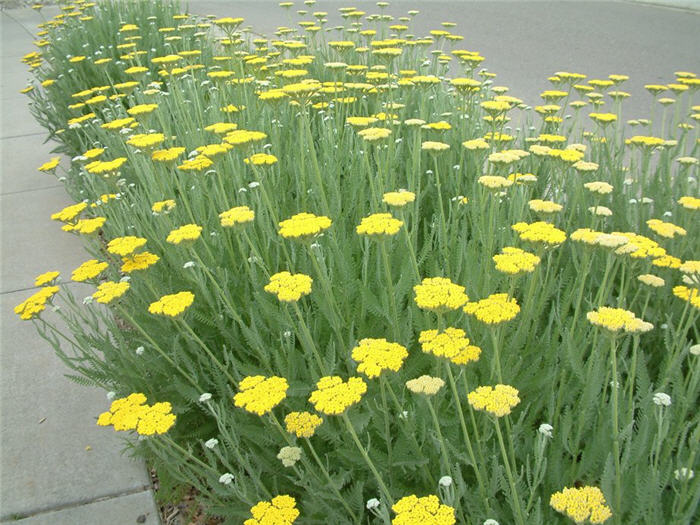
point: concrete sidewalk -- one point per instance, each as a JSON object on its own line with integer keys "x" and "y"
{"x": 56, "y": 466}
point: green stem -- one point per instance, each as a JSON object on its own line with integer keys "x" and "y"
{"x": 511, "y": 480}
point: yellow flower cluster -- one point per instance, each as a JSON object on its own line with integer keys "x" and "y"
{"x": 280, "y": 510}
{"x": 85, "y": 226}
{"x": 50, "y": 165}
{"x": 496, "y": 308}
{"x": 540, "y": 232}
{"x": 690, "y": 203}
{"x": 132, "y": 413}
{"x": 617, "y": 319}
{"x": 494, "y": 182}
{"x": 333, "y": 396}
{"x": 88, "y": 270}
{"x": 665, "y": 229}
{"x": 376, "y": 355}
{"x": 261, "y": 159}
{"x": 198, "y": 163}
{"x": 427, "y": 385}
{"x": 302, "y": 424}
{"x": 412, "y": 510}
{"x": 260, "y": 394}
{"x": 540, "y": 206}
{"x": 163, "y": 206}
{"x": 108, "y": 167}
{"x": 46, "y": 278}
{"x": 688, "y": 294}
{"x": 514, "y": 261}
{"x": 651, "y": 280}
{"x": 398, "y": 198}
{"x": 69, "y": 213}
{"x": 36, "y": 303}
{"x": 303, "y": 225}
{"x": 451, "y": 344}
{"x": 581, "y": 504}
{"x": 124, "y": 246}
{"x": 289, "y": 287}
{"x": 439, "y": 294}
{"x": 109, "y": 290}
{"x": 498, "y": 400}
{"x": 243, "y": 137}
{"x": 600, "y": 187}
{"x": 138, "y": 261}
{"x": 185, "y": 234}
{"x": 145, "y": 140}
{"x": 379, "y": 225}
{"x": 167, "y": 155}
{"x": 645, "y": 247}
{"x": 374, "y": 134}
{"x": 172, "y": 305}
{"x": 236, "y": 216}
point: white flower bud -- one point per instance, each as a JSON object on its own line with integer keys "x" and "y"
{"x": 662, "y": 399}
{"x": 211, "y": 443}
{"x": 546, "y": 430}
{"x": 206, "y": 396}
{"x": 372, "y": 503}
{"x": 226, "y": 479}
{"x": 445, "y": 481}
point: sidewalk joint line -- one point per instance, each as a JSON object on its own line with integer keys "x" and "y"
{"x": 30, "y": 190}
{"x": 79, "y": 503}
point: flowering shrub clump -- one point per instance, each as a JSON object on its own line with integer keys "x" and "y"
{"x": 286, "y": 231}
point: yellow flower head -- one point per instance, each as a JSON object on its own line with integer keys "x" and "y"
{"x": 379, "y": 225}
{"x": 690, "y": 295}
{"x": 451, "y": 344}
{"x": 302, "y": 424}
{"x": 163, "y": 206}
{"x": 260, "y": 394}
{"x": 412, "y": 510}
{"x": 496, "y": 308}
{"x": 36, "y": 303}
{"x": 109, "y": 290}
{"x": 651, "y": 280}
{"x": 138, "y": 261}
{"x": 198, "y": 163}
{"x": 261, "y": 159}
{"x": 439, "y": 294}
{"x": 426, "y": 385}
{"x": 665, "y": 229}
{"x": 88, "y": 270}
{"x": 498, "y": 400}
{"x": 132, "y": 413}
{"x": 399, "y": 198}
{"x": 376, "y": 355}
{"x": 581, "y": 504}
{"x": 374, "y": 134}
{"x": 125, "y": 245}
{"x": 145, "y": 140}
{"x": 618, "y": 319}
{"x": 46, "y": 278}
{"x": 303, "y": 225}
{"x": 494, "y": 182}
{"x": 167, "y": 155}
{"x": 69, "y": 213}
{"x": 50, "y": 165}
{"x": 85, "y": 226}
{"x": 540, "y": 231}
{"x": 289, "y": 287}
{"x": 540, "y": 206}
{"x": 280, "y": 510}
{"x": 434, "y": 146}
{"x": 333, "y": 396}
{"x": 236, "y": 216}
{"x": 514, "y": 261}
{"x": 476, "y": 144}
{"x": 172, "y": 305}
{"x": 689, "y": 203}
{"x": 185, "y": 234}
{"x": 142, "y": 109}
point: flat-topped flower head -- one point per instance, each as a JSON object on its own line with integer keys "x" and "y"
{"x": 46, "y": 278}
{"x": 109, "y": 290}
{"x": 88, "y": 270}
{"x": 398, "y": 199}
{"x": 434, "y": 146}
{"x": 412, "y": 510}
{"x": 476, "y": 144}
{"x": 439, "y": 294}
{"x": 651, "y": 280}
{"x": 494, "y": 182}
{"x": 167, "y": 155}
{"x": 145, "y": 140}
{"x": 618, "y": 320}
{"x": 496, "y": 308}
{"x": 236, "y": 216}
{"x": 303, "y": 225}
{"x": 376, "y": 355}
{"x": 186, "y": 234}
{"x": 689, "y": 203}
{"x": 36, "y": 303}
{"x": 261, "y": 159}
{"x": 451, "y": 344}
{"x": 665, "y": 229}
{"x": 379, "y": 225}
{"x": 260, "y": 394}
{"x": 138, "y": 261}
{"x": 50, "y": 166}
{"x": 498, "y": 400}
{"x": 289, "y": 287}
{"x": 544, "y": 207}
{"x": 690, "y": 295}
{"x": 374, "y": 134}
{"x": 132, "y": 413}
{"x": 426, "y": 385}
{"x": 85, "y": 226}
{"x": 514, "y": 261}
{"x": 581, "y": 504}
{"x": 333, "y": 396}
{"x": 280, "y": 510}
{"x": 69, "y": 213}
{"x": 124, "y": 246}
{"x": 172, "y": 305}
{"x": 243, "y": 137}
{"x": 302, "y": 424}
{"x": 540, "y": 231}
